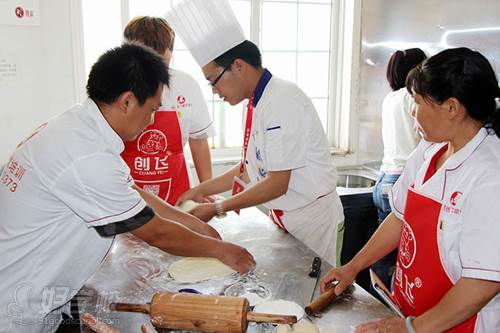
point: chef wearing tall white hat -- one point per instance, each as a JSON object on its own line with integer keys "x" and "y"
{"x": 286, "y": 163}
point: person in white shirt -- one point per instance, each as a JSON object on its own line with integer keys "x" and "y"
{"x": 156, "y": 157}
{"x": 400, "y": 138}
{"x": 65, "y": 193}
{"x": 286, "y": 163}
{"x": 446, "y": 216}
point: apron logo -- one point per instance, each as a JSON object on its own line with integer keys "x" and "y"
{"x": 181, "y": 99}
{"x": 455, "y": 197}
{"x": 19, "y": 12}
{"x": 152, "y": 142}
{"x": 408, "y": 246}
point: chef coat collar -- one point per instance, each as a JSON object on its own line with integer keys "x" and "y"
{"x": 259, "y": 90}
{"x": 111, "y": 138}
{"x": 459, "y": 157}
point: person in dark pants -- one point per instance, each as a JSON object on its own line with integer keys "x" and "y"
{"x": 399, "y": 137}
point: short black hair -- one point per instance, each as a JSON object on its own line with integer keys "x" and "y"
{"x": 400, "y": 64}
{"x": 463, "y": 74}
{"x": 246, "y": 51}
{"x": 129, "y": 67}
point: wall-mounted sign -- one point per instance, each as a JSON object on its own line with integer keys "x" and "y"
{"x": 20, "y": 12}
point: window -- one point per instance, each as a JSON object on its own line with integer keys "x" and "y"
{"x": 293, "y": 35}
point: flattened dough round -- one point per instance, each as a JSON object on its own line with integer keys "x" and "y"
{"x": 192, "y": 270}
{"x": 188, "y": 205}
{"x": 280, "y": 307}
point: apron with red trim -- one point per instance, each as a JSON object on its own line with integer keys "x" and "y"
{"x": 275, "y": 215}
{"x": 156, "y": 158}
{"x": 420, "y": 279}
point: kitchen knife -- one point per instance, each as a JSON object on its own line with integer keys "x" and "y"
{"x": 315, "y": 274}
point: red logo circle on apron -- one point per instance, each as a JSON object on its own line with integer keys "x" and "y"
{"x": 19, "y": 12}
{"x": 408, "y": 246}
{"x": 152, "y": 142}
{"x": 181, "y": 99}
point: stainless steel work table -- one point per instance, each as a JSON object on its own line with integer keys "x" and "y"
{"x": 133, "y": 271}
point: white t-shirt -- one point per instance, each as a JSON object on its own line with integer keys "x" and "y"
{"x": 398, "y": 130}
{"x": 184, "y": 95}
{"x": 287, "y": 135}
{"x": 468, "y": 186}
{"x": 64, "y": 180}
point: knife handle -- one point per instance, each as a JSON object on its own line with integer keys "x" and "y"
{"x": 315, "y": 267}
{"x": 321, "y": 302}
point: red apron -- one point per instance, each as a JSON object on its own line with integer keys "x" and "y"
{"x": 420, "y": 279}
{"x": 156, "y": 158}
{"x": 275, "y": 216}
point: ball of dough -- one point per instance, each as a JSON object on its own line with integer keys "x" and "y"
{"x": 188, "y": 205}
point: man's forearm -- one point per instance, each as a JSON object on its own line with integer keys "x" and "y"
{"x": 466, "y": 298}
{"x": 270, "y": 188}
{"x": 174, "y": 238}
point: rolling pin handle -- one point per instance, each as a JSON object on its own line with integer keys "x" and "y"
{"x": 271, "y": 318}
{"x": 127, "y": 307}
{"x": 321, "y": 302}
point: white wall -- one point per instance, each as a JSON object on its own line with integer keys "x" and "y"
{"x": 44, "y": 84}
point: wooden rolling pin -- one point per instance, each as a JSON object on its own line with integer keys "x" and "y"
{"x": 321, "y": 302}
{"x": 201, "y": 312}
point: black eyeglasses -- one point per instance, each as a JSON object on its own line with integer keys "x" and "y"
{"x": 216, "y": 80}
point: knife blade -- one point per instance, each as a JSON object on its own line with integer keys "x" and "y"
{"x": 315, "y": 274}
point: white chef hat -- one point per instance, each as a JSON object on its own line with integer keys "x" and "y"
{"x": 208, "y": 28}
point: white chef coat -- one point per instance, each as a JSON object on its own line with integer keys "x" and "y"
{"x": 69, "y": 179}
{"x": 468, "y": 186}
{"x": 398, "y": 130}
{"x": 184, "y": 95}
{"x": 287, "y": 135}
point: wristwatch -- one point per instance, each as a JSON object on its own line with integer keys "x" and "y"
{"x": 219, "y": 211}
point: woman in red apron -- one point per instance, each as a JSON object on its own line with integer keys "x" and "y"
{"x": 445, "y": 220}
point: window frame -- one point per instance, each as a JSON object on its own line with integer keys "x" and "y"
{"x": 345, "y": 42}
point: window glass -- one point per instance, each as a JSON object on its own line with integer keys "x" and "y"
{"x": 321, "y": 105}
{"x": 228, "y": 123}
{"x": 282, "y": 64}
{"x": 148, "y": 7}
{"x": 312, "y": 74}
{"x": 294, "y": 39}
{"x": 96, "y": 37}
{"x": 314, "y": 27}
{"x": 279, "y": 26}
